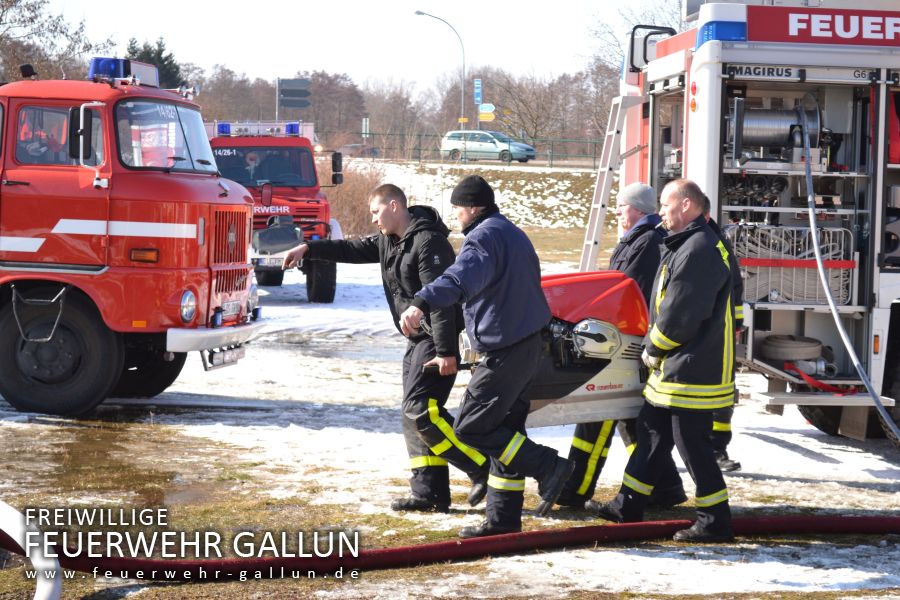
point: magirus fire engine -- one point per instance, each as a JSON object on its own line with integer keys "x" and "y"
{"x": 276, "y": 161}
{"x": 780, "y": 109}
{"x": 121, "y": 248}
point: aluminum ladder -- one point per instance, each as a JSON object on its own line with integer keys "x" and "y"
{"x": 610, "y": 159}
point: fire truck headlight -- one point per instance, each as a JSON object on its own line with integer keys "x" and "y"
{"x": 188, "y": 306}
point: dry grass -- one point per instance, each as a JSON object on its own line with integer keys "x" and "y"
{"x": 348, "y": 200}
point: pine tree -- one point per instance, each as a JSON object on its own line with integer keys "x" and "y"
{"x": 169, "y": 72}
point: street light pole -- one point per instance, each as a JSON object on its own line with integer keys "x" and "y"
{"x": 462, "y": 82}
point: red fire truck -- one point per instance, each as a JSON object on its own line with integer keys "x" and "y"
{"x": 733, "y": 104}
{"x": 121, "y": 248}
{"x": 276, "y": 162}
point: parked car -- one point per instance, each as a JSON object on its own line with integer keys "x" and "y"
{"x": 473, "y": 145}
{"x": 359, "y": 150}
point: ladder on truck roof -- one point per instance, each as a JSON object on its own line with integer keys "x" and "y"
{"x": 610, "y": 159}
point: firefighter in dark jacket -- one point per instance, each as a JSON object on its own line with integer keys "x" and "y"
{"x": 690, "y": 353}
{"x": 413, "y": 250}
{"x": 497, "y": 277}
{"x": 636, "y": 255}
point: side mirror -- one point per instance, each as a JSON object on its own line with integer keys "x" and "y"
{"x": 80, "y": 135}
{"x": 337, "y": 162}
{"x": 265, "y": 194}
{"x": 337, "y": 178}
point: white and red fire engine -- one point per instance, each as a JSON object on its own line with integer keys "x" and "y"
{"x": 276, "y": 162}
{"x": 724, "y": 104}
{"x": 121, "y": 248}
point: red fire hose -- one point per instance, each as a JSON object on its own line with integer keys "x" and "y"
{"x": 514, "y": 543}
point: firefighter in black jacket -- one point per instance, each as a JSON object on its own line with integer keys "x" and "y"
{"x": 636, "y": 255}
{"x": 413, "y": 250}
{"x": 690, "y": 353}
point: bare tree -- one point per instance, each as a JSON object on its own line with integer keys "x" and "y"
{"x": 29, "y": 33}
{"x": 612, "y": 36}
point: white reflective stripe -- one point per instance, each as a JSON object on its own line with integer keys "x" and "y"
{"x": 20, "y": 244}
{"x": 80, "y": 226}
{"x": 126, "y": 228}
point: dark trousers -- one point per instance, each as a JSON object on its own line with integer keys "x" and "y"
{"x": 492, "y": 419}
{"x": 590, "y": 447}
{"x": 660, "y": 429}
{"x": 721, "y": 429}
{"x": 428, "y": 428}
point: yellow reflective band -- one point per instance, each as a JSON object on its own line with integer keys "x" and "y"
{"x": 728, "y": 345}
{"x": 426, "y": 461}
{"x": 442, "y": 447}
{"x": 717, "y": 426}
{"x": 661, "y": 292}
{"x": 675, "y": 401}
{"x": 582, "y": 445}
{"x": 739, "y": 311}
{"x": 630, "y": 448}
{"x": 724, "y": 252}
{"x": 713, "y": 499}
{"x": 598, "y": 451}
{"x": 660, "y": 340}
{"x": 689, "y": 389}
{"x": 434, "y": 415}
{"x": 639, "y": 486}
{"x": 512, "y": 448}
{"x": 507, "y": 485}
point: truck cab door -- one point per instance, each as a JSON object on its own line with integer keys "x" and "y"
{"x": 52, "y": 215}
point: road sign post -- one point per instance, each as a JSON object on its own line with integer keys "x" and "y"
{"x": 477, "y": 91}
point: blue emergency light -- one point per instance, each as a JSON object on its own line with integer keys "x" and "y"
{"x": 122, "y": 68}
{"x": 292, "y": 128}
{"x": 223, "y": 129}
{"x": 723, "y": 31}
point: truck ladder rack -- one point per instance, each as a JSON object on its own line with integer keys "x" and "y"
{"x": 610, "y": 159}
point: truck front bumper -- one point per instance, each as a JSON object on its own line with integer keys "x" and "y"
{"x": 206, "y": 338}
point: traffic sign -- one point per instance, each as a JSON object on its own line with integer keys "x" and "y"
{"x": 477, "y": 91}
{"x": 463, "y": 119}
{"x": 486, "y": 108}
{"x": 293, "y": 102}
{"x": 289, "y": 93}
{"x": 293, "y": 84}
{"x": 486, "y": 116}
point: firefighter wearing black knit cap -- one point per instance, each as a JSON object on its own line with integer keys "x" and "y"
{"x": 497, "y": 277}
{"x": 690, "y": 353}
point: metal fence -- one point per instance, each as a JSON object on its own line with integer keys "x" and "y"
{"x": 426, "y": 147}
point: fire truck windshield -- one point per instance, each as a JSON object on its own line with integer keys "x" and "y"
{"x": 162, "y": 136}
{"x": 282, "y": 166}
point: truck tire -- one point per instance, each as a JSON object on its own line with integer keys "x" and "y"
{"x": 70, "y": 374}
{"x": 826, "y": 419}
{"x": 321, "y": 281}
{"x": 146, "y": 374}
{"x": 269, "y": 277}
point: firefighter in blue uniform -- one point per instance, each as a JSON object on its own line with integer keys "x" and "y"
{"x": 497, "y": 278}
{"x": 690, "y": 353}
{"x": 413, "y": 250}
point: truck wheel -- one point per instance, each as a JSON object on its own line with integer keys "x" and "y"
{"x": 321, "y": 280}
{"x": 505, "y": 156}
{"x": 70, "y": 374}
{"x": 826, "y": 419}
{"x": 146, "y": 374}
{"x": 269, "y": 277}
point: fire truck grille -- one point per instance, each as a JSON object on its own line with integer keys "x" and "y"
{"x": 232, "y": 280}
{"x": 302, "y": 216}
{"x": 230, "y": 237}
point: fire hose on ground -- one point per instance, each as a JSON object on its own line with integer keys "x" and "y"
{"x": 470, "y": 549}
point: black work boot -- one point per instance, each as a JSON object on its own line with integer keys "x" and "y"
{"x": 486, "y": 529}
{"x": 726, "y": 465}
{"x": 420, "y": 504}
{"x": 479, "y": 488}
{"x": 552, "y": 485}
{"x": 697, "y": 533}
